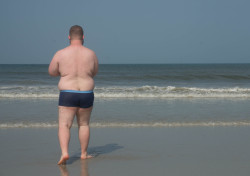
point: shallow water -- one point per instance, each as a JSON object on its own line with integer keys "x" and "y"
{"x": 134, "y": 112}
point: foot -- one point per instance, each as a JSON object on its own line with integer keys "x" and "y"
{"x": 86, "y": 156}
{"x": 63, "y": 159}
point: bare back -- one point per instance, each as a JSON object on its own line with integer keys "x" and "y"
{"x": 77, "y": 65}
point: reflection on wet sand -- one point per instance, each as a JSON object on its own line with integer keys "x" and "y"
{"x": 84, "y": 169}
{"x": 63, "y": 170}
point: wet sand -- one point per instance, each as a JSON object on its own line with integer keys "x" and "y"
{"x": 145, "y": 151}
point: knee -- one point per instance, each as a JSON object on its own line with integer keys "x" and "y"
{"x": 65, "y": 125}
{"x": 83, "y": 124}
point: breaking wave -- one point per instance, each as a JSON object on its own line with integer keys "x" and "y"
{"x": 171, "y": 92}
{"x": 130, "y": 92}
{"x": 130, "y": 125}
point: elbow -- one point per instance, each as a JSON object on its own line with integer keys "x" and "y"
{"x": 96, "y": 70}
{"x": 53, "y": 73}
{"x": 95, "y": 73}
{"x": 50, "y": 72}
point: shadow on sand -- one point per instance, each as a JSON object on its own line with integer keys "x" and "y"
{"x": 95, "y": 151}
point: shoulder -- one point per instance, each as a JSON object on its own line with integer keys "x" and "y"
{"x": 60, "y": 53}
{"x": 89, "y": 51}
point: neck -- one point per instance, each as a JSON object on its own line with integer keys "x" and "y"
{"x": 76, "y": 42}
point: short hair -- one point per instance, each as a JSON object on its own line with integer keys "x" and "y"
{"x": 76, "y": 32}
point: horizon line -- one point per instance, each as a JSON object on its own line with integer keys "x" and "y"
{"x": 133, "y": 63}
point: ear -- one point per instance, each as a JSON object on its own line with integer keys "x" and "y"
{"x": 69, "y": 37}
{"x": 83, "y": 37}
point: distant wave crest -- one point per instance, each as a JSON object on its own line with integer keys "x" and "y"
{"x": 129, "y": 125}
{"x": 131, "y": 92}
{"x": 171, "y": 92}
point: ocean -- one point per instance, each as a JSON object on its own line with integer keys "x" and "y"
{"x": 157, "y": 95}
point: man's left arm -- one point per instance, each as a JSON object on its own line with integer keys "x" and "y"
{"x": 96, "y": 65}
{"x": 54, "y": 66}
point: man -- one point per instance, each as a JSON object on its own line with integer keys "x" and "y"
{"x": 77, "y": 66}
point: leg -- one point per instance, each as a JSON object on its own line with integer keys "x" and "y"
{"x": 65, "y": 120}
{"x": 83, "y": 116}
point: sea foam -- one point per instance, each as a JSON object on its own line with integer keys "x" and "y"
{"x": 131, "y": 92}
{"x": 129, "y": 125}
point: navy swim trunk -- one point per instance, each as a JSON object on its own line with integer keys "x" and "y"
{"x": 74, "y": 98}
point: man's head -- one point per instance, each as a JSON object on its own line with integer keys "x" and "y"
{"x": 76, "y": 33}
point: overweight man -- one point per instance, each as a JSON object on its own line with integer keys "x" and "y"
{"x": 77, "y": 66}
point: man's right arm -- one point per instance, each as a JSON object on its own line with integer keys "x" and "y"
{"x": 54, "y": 66}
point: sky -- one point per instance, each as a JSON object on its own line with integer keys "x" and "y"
{"x": 128, "y": 31}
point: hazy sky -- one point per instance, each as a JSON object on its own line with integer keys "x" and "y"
{"x": 128, "y": 31}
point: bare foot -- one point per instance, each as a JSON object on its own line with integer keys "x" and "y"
{"x": 63, "y": 159}
{"x": 83, "y": 157}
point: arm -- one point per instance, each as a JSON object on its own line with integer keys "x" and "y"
{"x": 54, "y": 66}
{"x": 96, "y": 65}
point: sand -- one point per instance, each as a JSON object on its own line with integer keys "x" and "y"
{"x": 129, "y": 151}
